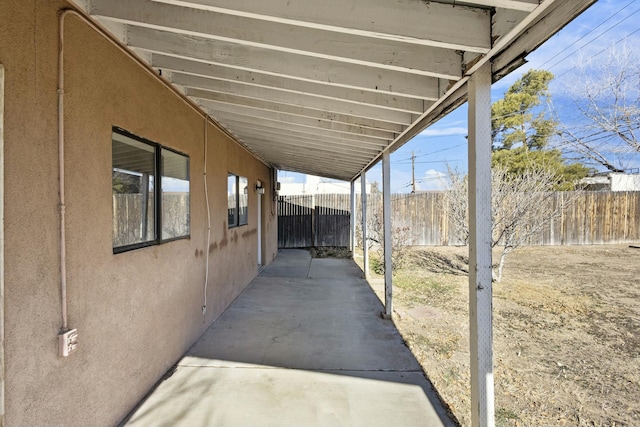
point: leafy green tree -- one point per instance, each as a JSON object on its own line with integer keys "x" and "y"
{"x": 521, "y": 132}
{"x": 519, "y": 161}
{"x": 515, "y": 120}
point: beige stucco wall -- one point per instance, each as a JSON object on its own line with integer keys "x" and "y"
{"x": 136, "y": 312}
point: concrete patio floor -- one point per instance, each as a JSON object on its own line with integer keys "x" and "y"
{"x": 303, "y": 345}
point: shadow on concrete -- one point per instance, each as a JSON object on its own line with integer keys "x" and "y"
{"x": 304, "y": 344}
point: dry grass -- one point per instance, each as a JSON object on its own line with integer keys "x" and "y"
{"x": 566, "y": 332}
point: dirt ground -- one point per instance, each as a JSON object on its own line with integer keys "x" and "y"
{"x": 566, "y": 332}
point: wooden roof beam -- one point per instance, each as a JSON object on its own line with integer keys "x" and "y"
{"x": 378, "y": 53}
{"x": 425, "y": 23}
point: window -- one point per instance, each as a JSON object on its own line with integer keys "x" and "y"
{"x": 175, "y": 194}
{"x": 238, "y": 200}
{"x": 243, "y": 200}
{"x": 150, "y": 187}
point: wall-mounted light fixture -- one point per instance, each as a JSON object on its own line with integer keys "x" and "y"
{"x": 259, "y": 187}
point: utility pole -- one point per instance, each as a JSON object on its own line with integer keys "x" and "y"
{"x": 413, "y": 172}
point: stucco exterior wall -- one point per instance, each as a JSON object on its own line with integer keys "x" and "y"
{"x": 136, "y": 312}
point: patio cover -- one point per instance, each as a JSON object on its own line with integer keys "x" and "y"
{"x": 325, "y": 87}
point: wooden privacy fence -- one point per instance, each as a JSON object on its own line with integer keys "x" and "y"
{"x": 594, "y": 218}
{"x": 323, "y": 220}
{"x": 589, "y": 218}
{"x": 130, "y": 224}
{"x": 421, "y": 213}
{"x": 313, "y": 220}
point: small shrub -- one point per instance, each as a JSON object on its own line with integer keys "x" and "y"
{"x": 330, "y": 252}
{"x": 376, "y": 265}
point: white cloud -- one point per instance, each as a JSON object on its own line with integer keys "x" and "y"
{"x": 433, "y": 180}
{"x": 286, "y": 179}
{"x": 448, "y": 131}
{"x": 400, "y": 179}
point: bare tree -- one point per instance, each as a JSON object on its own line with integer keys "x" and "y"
{"x": 455, "y": 203}
{"x": 606, "y": 94}
{"x": 522, "y": 206}
{"x": 400, "y": 234}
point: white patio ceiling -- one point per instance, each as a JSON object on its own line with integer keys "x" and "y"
{"x": 325, "y": 86}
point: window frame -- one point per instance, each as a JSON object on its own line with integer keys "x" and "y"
{"x": 237, "y": 216}
{"x": 157, "y": 193}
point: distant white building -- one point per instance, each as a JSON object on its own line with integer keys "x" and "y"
{"x": 317, "y": 185}
{"x": 612, "y": 182}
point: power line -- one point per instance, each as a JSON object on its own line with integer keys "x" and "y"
{"x": 413, "y": 172}
{"x": 428, "y": 162}
{"x": 586, "y": 34}
{"x": 429, "y": 153}
{"x": 441, "y": 136}
{"x": 412, "y": 158}
{"x": 441, "y": 150}
{"x": 440, "y": 161}
{"x": 603, "y": 50}
{"x": 595, "y": 38}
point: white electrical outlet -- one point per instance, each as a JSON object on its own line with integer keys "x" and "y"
{"x": 68, "y": 342}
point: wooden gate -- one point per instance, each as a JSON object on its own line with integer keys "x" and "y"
{"x": 313, "y": 220}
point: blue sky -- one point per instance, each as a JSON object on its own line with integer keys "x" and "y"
{"x": 606, "y": 23}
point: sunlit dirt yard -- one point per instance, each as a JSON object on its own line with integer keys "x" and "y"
{"x": 566, "y": 332}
